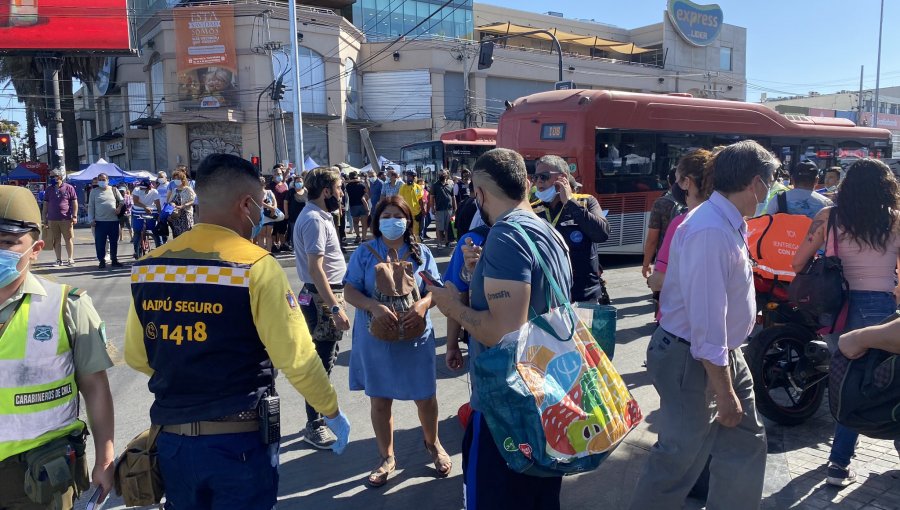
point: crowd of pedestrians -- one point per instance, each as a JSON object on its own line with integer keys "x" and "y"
{"x": 211, "y": 400}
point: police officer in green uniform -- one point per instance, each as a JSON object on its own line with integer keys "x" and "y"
{"x": 212, "y": 317}
{"x": 579, "y": 219}
{"x": 52, "y": 346}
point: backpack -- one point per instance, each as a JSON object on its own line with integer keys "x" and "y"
{"x": 395, "y": 288}
{"x": 864, "y": 393}
{"x": 782, "y": 202}
{"x": 773, "y": 239}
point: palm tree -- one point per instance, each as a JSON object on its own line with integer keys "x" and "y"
{"x": 26, "y": 76}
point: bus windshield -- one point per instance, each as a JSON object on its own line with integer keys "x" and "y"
{"x": 427, "y": 158}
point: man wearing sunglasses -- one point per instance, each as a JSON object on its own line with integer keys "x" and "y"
{"x": 579, "y": 219}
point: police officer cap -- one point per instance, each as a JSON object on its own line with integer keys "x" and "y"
{"x": 19, "y": 211}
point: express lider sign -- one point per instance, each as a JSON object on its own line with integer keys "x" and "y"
{"x": 698, "y": 24}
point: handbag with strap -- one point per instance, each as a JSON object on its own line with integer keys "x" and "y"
{"x": 553, "y": 401}
{"x": 395, "y": 288}
{"x": 820, "y": 289}
{"x": 138, "y": 478}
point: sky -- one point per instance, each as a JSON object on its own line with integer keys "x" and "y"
{"x": 793, "y": 46}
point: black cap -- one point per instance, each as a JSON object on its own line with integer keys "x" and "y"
{"x": 805, "y": 169}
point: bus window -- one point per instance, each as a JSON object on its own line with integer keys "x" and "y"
{"x": 626, "y": 162}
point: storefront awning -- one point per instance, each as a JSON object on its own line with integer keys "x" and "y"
{"x": 506, "y": 28}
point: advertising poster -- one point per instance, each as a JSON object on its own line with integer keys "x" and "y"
{"x": 207, "y": 66}
{"x": 64, "y": 25}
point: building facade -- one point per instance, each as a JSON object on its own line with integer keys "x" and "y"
{"x": 159, "y": 109}
{"x": 848, "y": 104}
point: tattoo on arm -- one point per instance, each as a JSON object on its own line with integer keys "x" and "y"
{"x": 468, "y": 318}
{"x": 498, "y": 295}
{"x": 816, "y": 225}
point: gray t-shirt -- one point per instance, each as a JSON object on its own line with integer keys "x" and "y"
{"x": 314, "y": 234}
{"x": 506, "y": 256}
{"x": 800, "y": 201}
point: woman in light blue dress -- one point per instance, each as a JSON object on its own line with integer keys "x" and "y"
{"x": 394, "y": 370}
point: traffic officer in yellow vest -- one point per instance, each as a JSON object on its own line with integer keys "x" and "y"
{"x": 52, "y": 346}
{"x": 212, "y": 318}
{"x": 579, "y": 219}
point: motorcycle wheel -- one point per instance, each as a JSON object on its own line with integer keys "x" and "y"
{"x": 774, "y": 356}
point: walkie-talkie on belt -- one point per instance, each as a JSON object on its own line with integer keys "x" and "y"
{"x": 270, "y": 416}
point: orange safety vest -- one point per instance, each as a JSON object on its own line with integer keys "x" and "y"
{"x": 773, "y": 240}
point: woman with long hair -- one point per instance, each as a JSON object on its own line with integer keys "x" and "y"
{"x": 394, "y": 370}
{"x": 693, "y": 185}
{"x": 867, "y": 220}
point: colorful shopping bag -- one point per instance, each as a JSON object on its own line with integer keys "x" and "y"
{"x": 602, "y": 321}
{"x": 553, "y": 401}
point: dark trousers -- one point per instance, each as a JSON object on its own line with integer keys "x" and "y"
{"x": 221, "y": 472}
{"x": 103, "y": 231}
{"x": 327, "y": 352}
{"x": 489, "y": 485}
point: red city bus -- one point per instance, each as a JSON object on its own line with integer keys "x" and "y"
{"x": 454, "y": 150}
{"x": 622, "y": 145}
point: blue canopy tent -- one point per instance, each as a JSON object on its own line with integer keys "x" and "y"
{"x": 116, "y": 175}
{"x": 20, "y": 173}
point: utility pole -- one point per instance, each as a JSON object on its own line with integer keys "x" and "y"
{"x": 299, "y": 156}
{"x": 859, "y": 106}
{"x": 55, "y": 144}
{"x": 878, "y": 67}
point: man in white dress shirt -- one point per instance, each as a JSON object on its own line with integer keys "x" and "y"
{"x": 708, "y": 309}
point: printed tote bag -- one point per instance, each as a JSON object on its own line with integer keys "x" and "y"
{"x": 553, "y": 401}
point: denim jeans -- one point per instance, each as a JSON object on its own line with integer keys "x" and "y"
{"x": 867, "y": 308}
{"x": 137, "y": 225}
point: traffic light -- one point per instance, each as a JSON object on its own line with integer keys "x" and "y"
{"x": 486, "y": 55}
{"x": 255, "y": 161}
{"x": 5, "y": 144}
{"x": 278, "y": 90}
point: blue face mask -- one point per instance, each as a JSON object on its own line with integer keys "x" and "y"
{"x": 257, "y": 227}
{"x": 298, "y": 184}
{"x": 278, "y": 178}
{"x": 9, "y": 265}
{"x": 392, "y": 228}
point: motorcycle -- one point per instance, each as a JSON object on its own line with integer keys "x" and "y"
{"x": 787, "y": 357}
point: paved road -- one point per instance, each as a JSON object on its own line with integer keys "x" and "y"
{"x": 316, "y": 479}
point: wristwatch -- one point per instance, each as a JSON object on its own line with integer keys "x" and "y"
{"x": 335, "y": 309}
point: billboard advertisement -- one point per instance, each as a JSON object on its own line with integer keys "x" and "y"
{"x": 207, "y": 65}
{"x": 697, "y": 24}
{"x": 64, "y": 25}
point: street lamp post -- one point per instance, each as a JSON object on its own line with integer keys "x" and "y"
{"x": 878, "y": 67}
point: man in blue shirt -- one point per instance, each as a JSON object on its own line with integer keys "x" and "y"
{"x": 375, "y": 188}
{"x": 802, "y": 199}
{"x": 508, "y": 283}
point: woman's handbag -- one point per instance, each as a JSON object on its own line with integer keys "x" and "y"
{"x": 395, "y": 288}
{"x": 553, "y": 401}
{"x": 820, "y": 288}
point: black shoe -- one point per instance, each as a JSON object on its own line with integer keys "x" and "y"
{"x": 116, "y": 263}
{"x": 102, "y": 264}
{"x": 840, "y": 476}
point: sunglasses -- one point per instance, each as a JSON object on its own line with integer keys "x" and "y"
{"x": 544, "y": 177}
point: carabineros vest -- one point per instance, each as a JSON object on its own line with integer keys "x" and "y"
{"x": 38, "y": 394}
{"x": 200, "y": 337}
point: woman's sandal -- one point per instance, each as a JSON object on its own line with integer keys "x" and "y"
{"x": 442, "y": 463}
{"x": 379, "y": 476}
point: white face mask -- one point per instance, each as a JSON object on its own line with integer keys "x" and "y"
{"x": 161, "y": 180}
